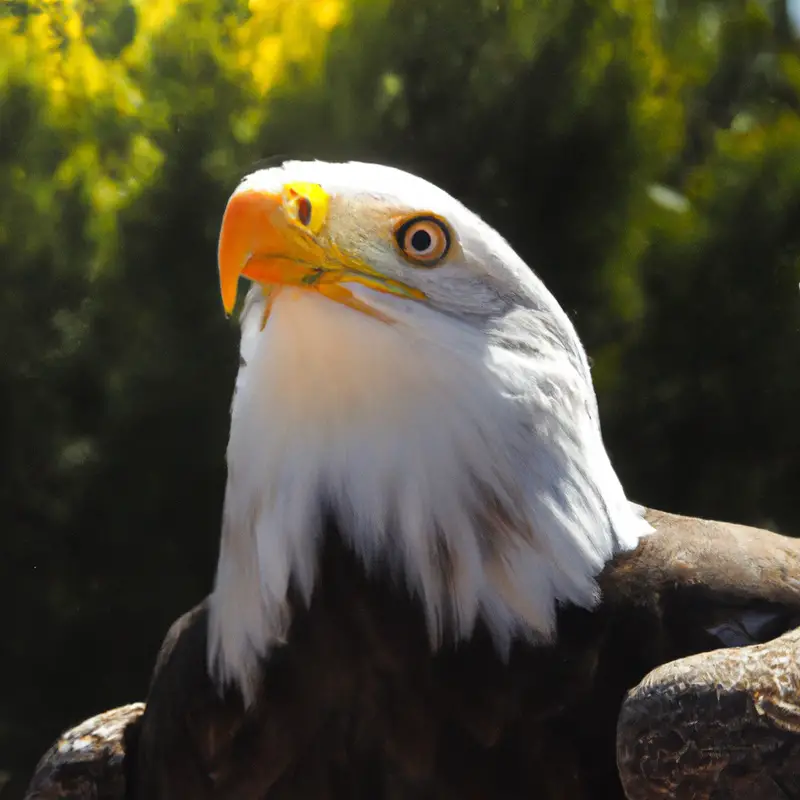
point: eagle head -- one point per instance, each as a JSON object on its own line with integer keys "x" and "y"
{"x": 404, "y": 372}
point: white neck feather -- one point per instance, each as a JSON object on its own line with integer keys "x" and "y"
{"x": 476, "y": 470}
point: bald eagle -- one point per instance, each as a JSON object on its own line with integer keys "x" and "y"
{"x": 430, "y": 581}
{"x": 407, "y": 380}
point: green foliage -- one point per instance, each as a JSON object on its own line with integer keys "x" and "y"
{"x": 644, "y": 158}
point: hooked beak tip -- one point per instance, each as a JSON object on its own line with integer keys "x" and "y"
{"x": 245, "y": 222}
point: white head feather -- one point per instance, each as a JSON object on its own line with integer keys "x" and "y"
{"x": 469, "y": 426}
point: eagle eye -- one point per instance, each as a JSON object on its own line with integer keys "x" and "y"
{"x": 423, "y": 240}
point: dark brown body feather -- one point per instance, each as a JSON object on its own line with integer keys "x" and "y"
{"x": 356, "y": 706}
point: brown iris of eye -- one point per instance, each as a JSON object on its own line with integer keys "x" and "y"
{"x": 304, "y": 210}
{"x": 423, "y": 240}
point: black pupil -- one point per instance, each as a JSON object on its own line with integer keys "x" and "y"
{"x": 304, "y": 210}
{"x": 421, "y": 241}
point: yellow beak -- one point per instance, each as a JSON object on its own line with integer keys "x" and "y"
{"x": 255, "y": 242}
{"x": 259, "y": 242}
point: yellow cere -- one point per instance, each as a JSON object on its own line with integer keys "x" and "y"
{"x": 307, "y": 204}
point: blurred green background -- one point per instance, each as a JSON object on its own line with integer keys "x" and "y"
{"x": 644, "y": 157}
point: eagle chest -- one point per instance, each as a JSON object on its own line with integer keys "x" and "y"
{"x": 364, "y": 709}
